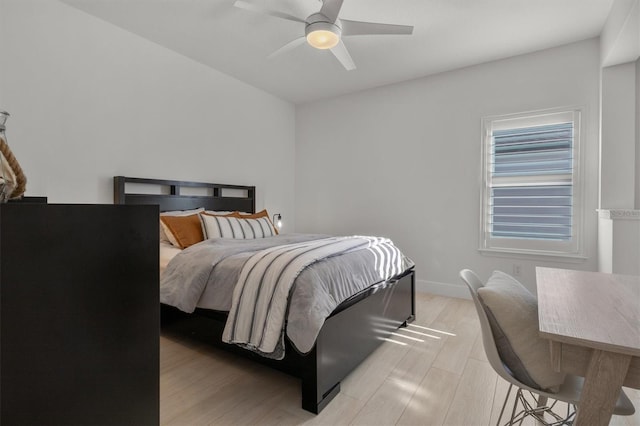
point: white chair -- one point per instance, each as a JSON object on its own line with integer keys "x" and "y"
{"x": 569, "y": 391}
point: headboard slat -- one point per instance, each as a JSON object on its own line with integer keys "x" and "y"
{"x": 174, "y": 200}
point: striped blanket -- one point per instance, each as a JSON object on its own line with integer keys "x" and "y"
{"x": 260, "y": 299}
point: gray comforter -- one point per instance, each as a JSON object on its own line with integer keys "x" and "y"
{"x": 317, "y": 291}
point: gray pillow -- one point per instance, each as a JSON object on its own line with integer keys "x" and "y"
{"x": 513, "y": 313}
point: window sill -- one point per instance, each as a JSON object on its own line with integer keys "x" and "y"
{"x": 533, "y": 254}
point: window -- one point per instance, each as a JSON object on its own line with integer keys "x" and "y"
{"x": 531, "y": 192}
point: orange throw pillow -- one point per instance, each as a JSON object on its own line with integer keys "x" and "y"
{"x": 187, "y": 230}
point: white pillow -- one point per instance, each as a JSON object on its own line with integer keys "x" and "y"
{"x": 513, "y": 313}
{"x": 166, "y": 236}
{"x": 233, "y": 227}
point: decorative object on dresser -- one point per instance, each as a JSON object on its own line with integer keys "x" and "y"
{"x": 79, "y": 317}
{"x": 13, "y": 182}
{"x": 353, "y": 330}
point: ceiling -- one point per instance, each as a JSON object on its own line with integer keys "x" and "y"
{"x": 448, "y": 34}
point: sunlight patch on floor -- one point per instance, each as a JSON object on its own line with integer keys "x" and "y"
{"x": 421, "y": 334}
{"x": 433, "y": 330}
{"x": 394, "y": 341}
{"x": 408, "y": 337}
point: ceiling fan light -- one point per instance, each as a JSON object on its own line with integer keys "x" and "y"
{"x": 323, "y": 35}
{"x": 322, "y": 39}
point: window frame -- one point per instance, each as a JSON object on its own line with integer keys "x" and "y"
{"x": 522, "y": 246}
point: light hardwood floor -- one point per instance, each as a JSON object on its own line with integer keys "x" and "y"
{"x": 432, "y": 373}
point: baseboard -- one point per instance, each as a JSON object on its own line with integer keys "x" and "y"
{"x": 443, "y": 289}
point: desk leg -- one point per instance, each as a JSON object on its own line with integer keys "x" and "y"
{"x": 602, "y": 385}
{"x": 555, "y": 348}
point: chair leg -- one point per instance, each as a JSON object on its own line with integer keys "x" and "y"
{"x": 541, "y": 406}
{"x": 542, "y": 401}
{"x": 541, "y": 409}
{"x": 504, "y": 405}
{"x": 515, "y": 406}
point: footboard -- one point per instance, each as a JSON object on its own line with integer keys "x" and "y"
{"x": 350, "y": 335}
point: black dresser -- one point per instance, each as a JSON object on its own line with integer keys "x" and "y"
{"x": 79, "y": 314}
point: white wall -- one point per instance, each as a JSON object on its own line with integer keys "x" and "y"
{"x": 89, "y": 101}
{"x": 637, "y": 119}
{"x": 619, "y": 54}
{"x": 618, "y": 133}
{"x": 404, "y": 160}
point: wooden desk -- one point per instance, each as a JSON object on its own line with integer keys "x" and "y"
{"x": 598, "y": 315}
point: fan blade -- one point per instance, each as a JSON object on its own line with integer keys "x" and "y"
{"x": 351, "y": 28}
{"x": 289, "y": 46}
{"x": 259, "y": 9}
{"x": 342, "y": 54}
{"x": 331, "y": 9}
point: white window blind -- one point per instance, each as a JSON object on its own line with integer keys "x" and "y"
{"x": 538, "y": 210}
{"x": 529, "y": 202}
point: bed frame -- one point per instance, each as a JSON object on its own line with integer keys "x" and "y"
{"x": 352, "y": 332}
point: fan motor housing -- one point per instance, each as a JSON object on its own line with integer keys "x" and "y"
{"x": 323, "y": 26}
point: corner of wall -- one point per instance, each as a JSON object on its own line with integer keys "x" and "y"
{"x": 458, "y": 291}
{"x": 637, "y": 115}
{"x": 619, "y": 38}
{"x": 618, "y": 140}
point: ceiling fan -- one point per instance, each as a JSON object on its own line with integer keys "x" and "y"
{"x": 324, "y": 30}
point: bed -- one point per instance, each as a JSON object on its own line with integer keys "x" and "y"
{"x": 353, "y": 330}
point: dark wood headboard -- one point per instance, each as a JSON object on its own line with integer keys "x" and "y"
{"x": 183, "y": 195}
